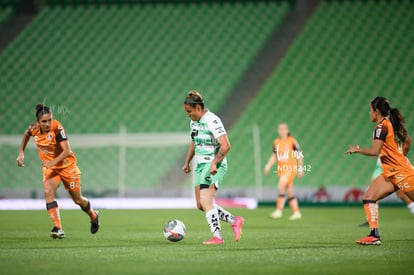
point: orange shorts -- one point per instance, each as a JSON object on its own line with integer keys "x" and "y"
{"x": 406, "y": 184}
{"x": 289, "y": 175}
{"x": 70, "y": 176}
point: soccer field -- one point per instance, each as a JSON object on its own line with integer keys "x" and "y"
{"x": 131, "y": 242}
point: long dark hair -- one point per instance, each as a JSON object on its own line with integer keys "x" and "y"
{"x": 396, "y": 118}
{"x": 41, "y": 110}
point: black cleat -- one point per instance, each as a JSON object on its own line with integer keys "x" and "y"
{"x": 95, "y": 223}
{"x": 57, "y": 233}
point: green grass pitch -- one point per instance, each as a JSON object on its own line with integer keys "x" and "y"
{"x": 131, "y": 242}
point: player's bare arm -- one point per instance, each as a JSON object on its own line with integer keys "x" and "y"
{"x": 64, "y": 154}
{"x": 372, "y": 151}
{"x": 270, "y": 163}
{"x": 190, "y": 155}
{"x": 300, "y": 168}
{"x": 20, "y": 157}
{"x": 221, "y": 154}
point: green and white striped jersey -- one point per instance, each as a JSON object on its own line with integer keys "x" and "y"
{"x": 204, "y": 134}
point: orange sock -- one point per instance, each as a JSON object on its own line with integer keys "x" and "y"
{"x": 293, "y": 203}
{"x": 54, "y": 214}
{"x": 280, "y": 204}
{"x": 371, "y": 212}
{"x": 89, "y": 210}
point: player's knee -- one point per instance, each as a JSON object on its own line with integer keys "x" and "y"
{"x": 49, "y": 193}
{"x": 205, "y": 203}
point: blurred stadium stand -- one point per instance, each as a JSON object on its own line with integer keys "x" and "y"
{"x": 348, "y": 53}
{"x": 102, "y": 67}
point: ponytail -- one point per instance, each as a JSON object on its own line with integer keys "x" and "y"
{"x": 41, "y": 110}
{"x": 398, "y": 124}
{"x": 396, "y": 118}
{"x": 193, "y": 99}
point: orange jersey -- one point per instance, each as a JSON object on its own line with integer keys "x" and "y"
{"x": 287, "y": 152}
{"x": 48, "y": 144}
{"x": 395, "y": 165}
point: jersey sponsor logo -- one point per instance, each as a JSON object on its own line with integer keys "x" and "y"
{"x": 49, "y": 137}
{"x": 194, "y": 133}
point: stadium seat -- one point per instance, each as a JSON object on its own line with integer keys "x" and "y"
{"x": 348, "y": 53}
{"x": 5, "y": 12}
{"x": 100, "y": 67}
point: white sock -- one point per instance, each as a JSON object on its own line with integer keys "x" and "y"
{"x": 411, "y": 207}
{"x": 225, "y": 215}
{"x": 214, "y": 222}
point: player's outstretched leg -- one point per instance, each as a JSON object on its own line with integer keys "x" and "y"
{"x": 54, "y": 214}
{"x": 371, "y": 212}
{"x": 94, "y": 215}
{"x": 207, "y": 194}
{"x": 294, "y": 205}
{"x": 50, "y": 186}
{"x": 280, "y": 204}
{"x": 87, "y": 208}
{"x": 214, "y": 225}
{"x": 236, "y": 222}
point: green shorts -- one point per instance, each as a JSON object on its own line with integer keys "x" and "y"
{"x": 203, "y": 176}
{"x": 377, "y": 172}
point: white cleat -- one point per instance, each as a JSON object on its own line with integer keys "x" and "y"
{"x": 295, "y": 216}
{"x": 277, "y": 214}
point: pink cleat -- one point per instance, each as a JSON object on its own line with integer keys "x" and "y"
{"x": 214, "y": 240}
{"x": 237, "y": 228}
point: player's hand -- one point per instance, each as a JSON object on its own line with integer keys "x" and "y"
{"x": 213, "y": 168}
{"x": 187, "y": 168}
{"x": 352, "y": 149}
{"x": 48, "y": 163}
{"x": 300, "y": 173}
{"x": 20, "y": 159}
{"x": 32, "y": 126}
{"x": 267, "y": 169}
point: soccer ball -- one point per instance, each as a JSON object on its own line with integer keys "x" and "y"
{"x": 174, "y": 230}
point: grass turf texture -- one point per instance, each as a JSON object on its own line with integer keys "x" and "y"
{"x": 131, "y": 242}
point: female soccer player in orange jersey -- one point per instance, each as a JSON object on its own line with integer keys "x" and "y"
{"x": 59, "y": 165}
{"x": 398, "y": 173}
{"x": 289, "y": 158}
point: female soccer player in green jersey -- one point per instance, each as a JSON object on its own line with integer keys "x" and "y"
{"x": 209, "y": 145}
